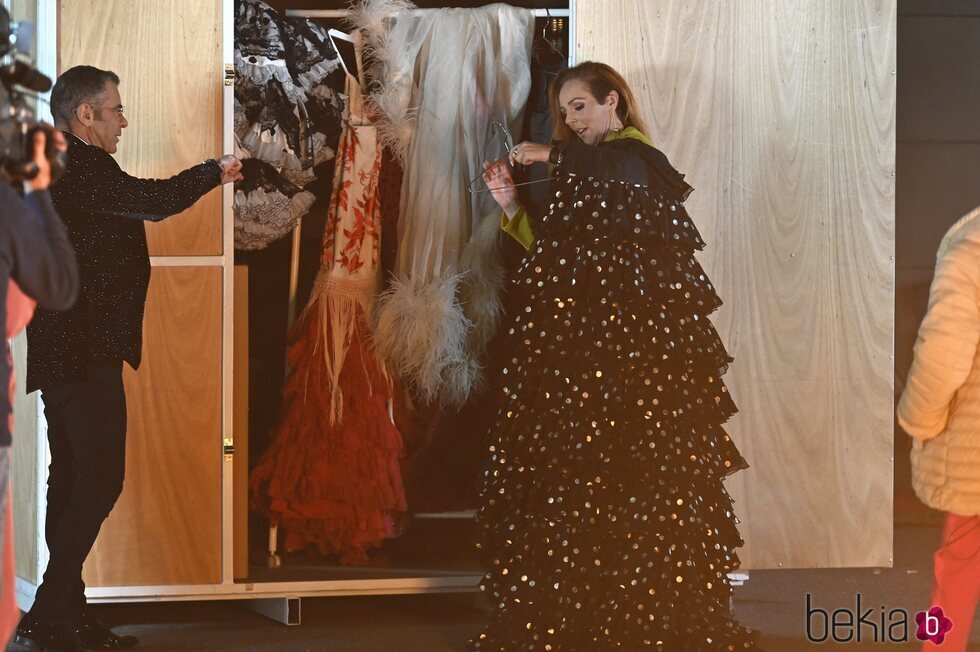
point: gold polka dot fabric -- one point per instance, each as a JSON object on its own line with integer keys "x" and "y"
{"x": 605, "y": 524}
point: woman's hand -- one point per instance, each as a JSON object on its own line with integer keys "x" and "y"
{"x": 527, "y": 152}
{"x": 501, "y": 185}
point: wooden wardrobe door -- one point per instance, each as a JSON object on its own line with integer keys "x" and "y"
{"x": 782, "y": 115}
{"x": 166, "y": 527}
{"x": 168, "y": 58}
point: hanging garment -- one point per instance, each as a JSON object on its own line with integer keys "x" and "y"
{"x": 266, "y": 205}
{"x": 605, "y": 524}
{"x": 331, "y": 475}
{"x": 444, "y": 76}
{"x": 296, "y": 53}
{"x": 287, "y": 112}
{"x": 323, "y": 108}
{"x": 264, "y": 87}
{"x": 389, "y": 190}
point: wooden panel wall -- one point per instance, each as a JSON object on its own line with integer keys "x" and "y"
{"x": 23, "y": 480}
{"x": 168, "y": 58}
{"x": 166, "y": 527}
{"x": 782, "y": 114}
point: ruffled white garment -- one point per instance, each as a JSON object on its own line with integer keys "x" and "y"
{"x": 261, "y": 70}
{"x": 309, "y": 79}
{"x": 264, "y": 214}
{"x": 270, "y": 145}
{"x": 262, "y": 217}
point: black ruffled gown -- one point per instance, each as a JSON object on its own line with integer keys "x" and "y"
{"x": 605, "y": 524}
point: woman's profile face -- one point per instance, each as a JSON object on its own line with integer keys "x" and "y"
{"x": 589, "y": 118}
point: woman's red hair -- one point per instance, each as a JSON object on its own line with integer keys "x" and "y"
{"x": 600, "y": 80}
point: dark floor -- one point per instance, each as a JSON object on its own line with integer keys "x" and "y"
{"x": 771, "y": 601}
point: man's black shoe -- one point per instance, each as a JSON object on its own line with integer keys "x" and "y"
{"x": 97, "y": 636}
{"x": 30, "y": 635}
{"x": 61, "y": 637}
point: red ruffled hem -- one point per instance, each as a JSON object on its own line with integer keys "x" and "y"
{"x": 337, "y": 486}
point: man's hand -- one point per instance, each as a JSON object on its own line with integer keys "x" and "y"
{"x": 43, "y": 178}
{"x": 231, "y": 169}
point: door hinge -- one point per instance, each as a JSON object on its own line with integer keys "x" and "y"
{"x": 228, "y": 448}
{"x": 229, "y": 74}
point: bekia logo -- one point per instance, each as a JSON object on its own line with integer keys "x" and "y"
{"x": 880, "y": 625}
{"x": 933, "y": 625}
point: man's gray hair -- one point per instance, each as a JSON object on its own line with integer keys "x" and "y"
{"x": 78, "y": 85}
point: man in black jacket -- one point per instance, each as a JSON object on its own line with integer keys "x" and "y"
{"x": 75, "y": 358}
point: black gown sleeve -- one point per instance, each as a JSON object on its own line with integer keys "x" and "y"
{"x": 627, "y": 160}
{"x": 617, "y": 160}
{"x": 40, "y": 257}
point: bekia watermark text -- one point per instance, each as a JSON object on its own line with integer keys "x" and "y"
{"x": 871, "y": 624}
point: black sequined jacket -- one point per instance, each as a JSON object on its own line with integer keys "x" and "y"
{"x": 104, "y": 209}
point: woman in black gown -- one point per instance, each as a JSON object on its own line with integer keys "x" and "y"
{"x": 604, "y": 523}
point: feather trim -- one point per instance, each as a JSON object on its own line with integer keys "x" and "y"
{"x": 422, "y": 333}
{"x": 391, "y": 83}
{"x": 483, "y": 283}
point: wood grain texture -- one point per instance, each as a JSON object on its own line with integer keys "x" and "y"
{"x": 240, "y": 423}
{"x": 782, "y": 114}
{"x": 166, "y": 527}
{"x": 23, "y": 479}
{"x": 168, "y": 58}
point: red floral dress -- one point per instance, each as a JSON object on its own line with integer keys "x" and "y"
{"x": 331, "y": 476}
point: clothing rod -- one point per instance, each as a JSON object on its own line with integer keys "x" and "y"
{"x": 342, "y": 13}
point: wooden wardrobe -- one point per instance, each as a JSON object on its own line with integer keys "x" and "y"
{"x": 782, "y": 115}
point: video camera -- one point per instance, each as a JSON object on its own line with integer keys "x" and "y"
{"x": 17, "y": 119}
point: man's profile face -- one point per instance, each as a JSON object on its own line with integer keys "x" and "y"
{"x": 108, "y": 120}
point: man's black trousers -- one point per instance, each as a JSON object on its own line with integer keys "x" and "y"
{"x": 87, "y": 436}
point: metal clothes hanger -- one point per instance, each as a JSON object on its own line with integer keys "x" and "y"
{"x": 548, "y": 41}
{"x": 497, "y": 128}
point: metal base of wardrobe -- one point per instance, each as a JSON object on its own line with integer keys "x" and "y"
{"x": 287, "y": 611}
